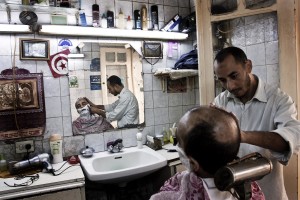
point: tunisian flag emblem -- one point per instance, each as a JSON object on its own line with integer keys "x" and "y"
{"x": 58, "y": 63}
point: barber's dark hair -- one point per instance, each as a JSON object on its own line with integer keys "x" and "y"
{"x": 115, "y": 80}
{"x": 238, "y": 54}
{"x": 210, "y": 153}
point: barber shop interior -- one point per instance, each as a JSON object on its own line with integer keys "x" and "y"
{"x": 149, "y": 99}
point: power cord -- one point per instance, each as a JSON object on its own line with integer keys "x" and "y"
{"x": 53, "y": 171}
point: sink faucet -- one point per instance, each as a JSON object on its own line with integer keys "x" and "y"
{"x": 115, "y": 146}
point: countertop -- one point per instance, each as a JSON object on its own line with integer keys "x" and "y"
{"x": 170, "y": 156}
{"x": 73, "y": 177}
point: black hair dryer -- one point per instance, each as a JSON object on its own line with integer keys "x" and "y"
{"x": 240, "y": 173}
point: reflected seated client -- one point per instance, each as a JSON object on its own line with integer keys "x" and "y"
{"x": 87, "y": 122}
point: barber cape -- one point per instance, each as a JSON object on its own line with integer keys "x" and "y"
{"x": 187, "y": 185}
{"x": 95, "y": 124}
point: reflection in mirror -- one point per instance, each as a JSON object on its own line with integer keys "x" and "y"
{"x": 88, "y": 78}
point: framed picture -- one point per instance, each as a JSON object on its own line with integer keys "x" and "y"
{"x": 34, "y": 49}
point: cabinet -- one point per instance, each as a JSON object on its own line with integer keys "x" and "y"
{"x": 73, "y": 194}
{"x": 288, "y": 33}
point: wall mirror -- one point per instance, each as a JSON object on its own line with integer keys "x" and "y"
{"x": 88, "y": 75}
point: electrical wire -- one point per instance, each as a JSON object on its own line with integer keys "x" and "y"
{"x": 53, "y": 172}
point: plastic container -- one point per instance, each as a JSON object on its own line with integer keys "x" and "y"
{"x": 110, "y": 19}
{"x": 154, "y": 17}
{"x": 121, "y": 20}
{"x": 103, "y": 21}
{"x": 144, "y": 18}
{"x": 3, "y": 164}
{"x": 95, "y": 14}
{"x": 137, "y": 19}
{"x": 129, "y": 23}
{"x": 139, "y": 137}
{"x": 56, "y": 148}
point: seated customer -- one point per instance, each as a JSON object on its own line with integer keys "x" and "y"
{"x": 208, "y": 139}
{"x": 86, "y": 122}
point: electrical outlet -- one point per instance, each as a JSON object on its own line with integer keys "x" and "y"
{"x": 21, "y": 146}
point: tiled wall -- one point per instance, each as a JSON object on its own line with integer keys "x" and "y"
{"x": 161, "y": 109}
{"x": 258, "y": 36}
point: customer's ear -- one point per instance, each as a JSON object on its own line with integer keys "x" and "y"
{"x": 195, "y": 167}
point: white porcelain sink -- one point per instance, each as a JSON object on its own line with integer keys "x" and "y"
{"x": 129, "y": 164}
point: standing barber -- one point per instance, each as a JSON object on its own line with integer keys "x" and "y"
{"x": 267, "y": 116}
{"x": 125, "y": 110}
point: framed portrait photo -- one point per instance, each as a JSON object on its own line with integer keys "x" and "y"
{"x": 34, "y": 49}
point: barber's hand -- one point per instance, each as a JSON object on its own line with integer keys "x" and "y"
{"x": 91, "y": 103}
{"x": 94, "y": 110}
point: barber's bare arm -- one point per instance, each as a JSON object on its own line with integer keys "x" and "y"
{"x": 264, "y": 139}
{"x": 94, "y": 105}
{"x": 98, "y": 111}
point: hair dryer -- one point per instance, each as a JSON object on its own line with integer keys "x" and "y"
{"x": 39, "y": 161}
{"x": 239, "y": 174}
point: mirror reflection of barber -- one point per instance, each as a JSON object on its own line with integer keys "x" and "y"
{"x": 125, "y": 110}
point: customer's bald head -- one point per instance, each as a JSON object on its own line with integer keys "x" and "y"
{"x": 209, "y": 135}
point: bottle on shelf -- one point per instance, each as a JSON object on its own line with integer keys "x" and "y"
{"x": 110, "y": 19}
{"x": 121, "y": 20}
{"x": 95, "y": 14}
{"x": 129, "y": 23}
{"x": 144, "y": 18}
{"x": 137, "y": 19}
{"x": 103, "y": 21}
{"x": 154, "y": 17}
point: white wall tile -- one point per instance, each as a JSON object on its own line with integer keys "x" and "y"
{"x": 261, "y": 72}
{"x": 53, "y": 107}
{"x": 129, "y": 137}
{"x": 161, "y": 115}
{"x": 67, "y": 126}
{"x": 257, "y": 54}
{"x": 148, "y": 82}
{"x": 95, "y": 141}
{"x": 149, "y": 117}
{"x": 53, "y": 125}
{"x": 52, "y": 87}
{"x": 175, "y": 113}
{"x": 66, "y": 107}
{"x": 160, "y": 99}
{"x": 170, "y": 12}
{"x": 148, "y": 97}
{"x": 273, "y": 75}
{"x": 272, "y": 52}
{"x": 254, "y": 33}
{"x": 175, "y": 99}
{"x": 9, "y": 44}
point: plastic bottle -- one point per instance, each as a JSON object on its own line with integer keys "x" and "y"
{"x": 56, "y": 148}
{"x": 121, "y": 20}
{"x": 137, "y": 19}
{"x": 154, "y": 17}
{"x": 95, "y": 11}
{"x": 144, "y": 18}
{"x": 166, "y": 136}
{"x": 103, "y": 21}
{"x": 82, "y": 18}
{"x": 129, "y": 23}
{"x": 110, "y": 19}
{"x": 139, "y": 137}
{"x": 3, "y": 164}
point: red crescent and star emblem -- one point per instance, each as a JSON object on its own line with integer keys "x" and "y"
{"x": 58, "y": 63}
